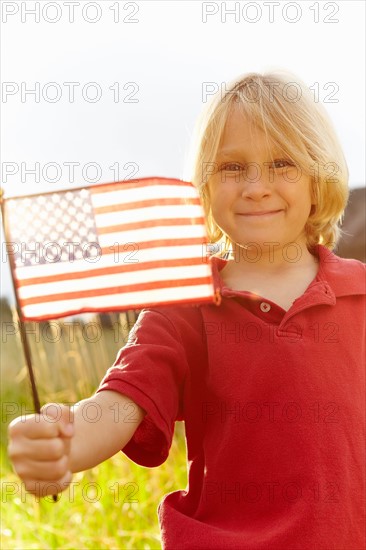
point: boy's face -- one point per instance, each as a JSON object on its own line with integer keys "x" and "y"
{"x": 253, "y": 199}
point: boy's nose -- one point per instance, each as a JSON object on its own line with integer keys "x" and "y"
{"x": 256, "y": 184}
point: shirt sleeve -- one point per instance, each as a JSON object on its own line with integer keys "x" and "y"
{"x": 150, "y": 369}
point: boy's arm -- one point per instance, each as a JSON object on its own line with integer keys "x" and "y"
{"x": 47, "y": 448}
{"x": 103, "y": 425}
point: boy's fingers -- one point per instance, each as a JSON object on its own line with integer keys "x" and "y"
{"x": 52, "y": 420}
{"x": 33, "y": 427}
{"x": 40, "y": 449}
{"x": 43, "y": 471}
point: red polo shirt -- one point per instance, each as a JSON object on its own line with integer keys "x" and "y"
{"x": 274, "y": 411}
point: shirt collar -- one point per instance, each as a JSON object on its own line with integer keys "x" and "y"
{"x": 345, "y": 277}
{"x": 336, "y": 276}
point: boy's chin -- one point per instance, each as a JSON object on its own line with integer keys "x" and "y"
{"x": 258, "y": 245}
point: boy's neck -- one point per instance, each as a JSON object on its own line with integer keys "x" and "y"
{"x": 273, "y": 276}
{"x": 270, "y": 260}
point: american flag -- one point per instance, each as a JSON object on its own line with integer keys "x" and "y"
{"x": 108, "y": 247}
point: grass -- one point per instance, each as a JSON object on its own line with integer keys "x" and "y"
{"x": 112, "y": 506}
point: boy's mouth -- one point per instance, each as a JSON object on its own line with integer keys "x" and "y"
{"x": 260, "y": 213}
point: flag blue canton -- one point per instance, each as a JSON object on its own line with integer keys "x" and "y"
{"x": 57, "y": 227}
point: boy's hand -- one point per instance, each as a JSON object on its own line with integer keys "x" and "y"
{"x": 39, "y": 448}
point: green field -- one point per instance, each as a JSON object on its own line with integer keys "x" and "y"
{"x": 113, "y": 506}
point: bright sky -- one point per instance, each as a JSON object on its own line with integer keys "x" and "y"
{"x": 150, "y": 62}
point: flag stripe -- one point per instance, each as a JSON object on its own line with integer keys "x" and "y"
{"x": 127, "y": 195}
{"x": 162, "y": 243}
{"x": 113, "y": 290}
{"x": 188, "y": 222}
{"x": 150, "y": 233}
{"x": 144, "y": 204}
{"x": 167, "y": 243}
{"x": 112, "y": 281}
{"x": 138, "y": 184}
{"x": 123, "y": 301}
{"x": 154, "y": 213}
{"x": 127, "y": 268}
{"x": 110, "y": 259}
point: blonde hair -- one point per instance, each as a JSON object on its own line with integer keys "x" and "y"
{"x": 283, "y": 107}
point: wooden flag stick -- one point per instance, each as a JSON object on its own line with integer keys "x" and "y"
{"x": 23, "y": 333}
{"x": 28, "y": 360}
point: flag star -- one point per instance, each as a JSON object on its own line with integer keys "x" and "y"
{"x": 21, "y": 223}
{"x": 86, "y": 208}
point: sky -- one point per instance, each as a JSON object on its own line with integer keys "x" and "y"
{"x": 118, "y": 86}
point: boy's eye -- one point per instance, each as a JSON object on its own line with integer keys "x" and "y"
{"x": 280, "y": 163}
{"x": 232, "y": 167}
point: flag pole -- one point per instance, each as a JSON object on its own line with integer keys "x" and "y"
{"x": 23, "y": 333}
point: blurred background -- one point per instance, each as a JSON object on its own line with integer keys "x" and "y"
{"x": 96, "y": 92}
